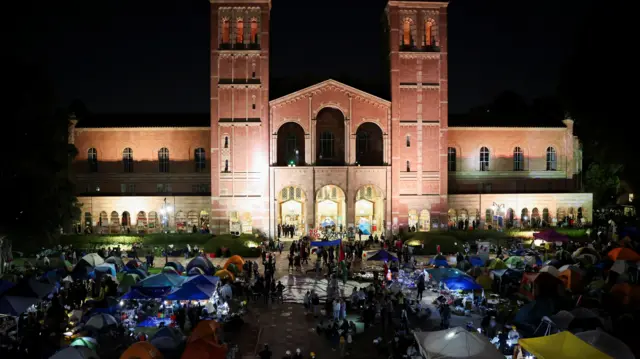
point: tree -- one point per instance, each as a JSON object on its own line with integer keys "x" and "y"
{"x": 603, "y": 182}
{"x": 37, "y": 159}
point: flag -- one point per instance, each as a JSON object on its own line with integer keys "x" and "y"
{"x": 341, "y": 257}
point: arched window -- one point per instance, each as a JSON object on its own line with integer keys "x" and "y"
{"x": 225, "y": 31}
{"x": 226, "y": 165}
{"x": 545, "y": 215}
{"x": 127, "y": 159}
{"x": 429, "y": 33}
{"x": 488, "y": 216}
{"x": 200, "y": 159}
{"x": 226, "y": 141}
{"x": 163, "y": 159}
{"x": 92, "y": 159}
{"x": 551, "y": 159}
{"x": 406, "y": 33}
{"x": 326, "y": 145}
{"x": 362, "y": 142}
{"x": 292, "y": 148}
{"x": 369, "y": 145}
{"x": 240, "y": 31}
{"x": 484, "y": 159}
{"x": 518, "y": 159}
{"x": 254, "y": 31}
{"x": 451, "y": 159}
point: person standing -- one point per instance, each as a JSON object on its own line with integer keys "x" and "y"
{"x": 265, "y": 353}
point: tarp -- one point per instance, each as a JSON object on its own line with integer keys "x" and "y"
{"x": 382, "y": 255}
{"x": 563, "y": 345}
{"x": 456, "y": 343}
{"x": 550, "y": 236}
{"x": 325, "y": 243}
{"x": 607, "y": 344}
{"x": 192, "y": 292}
{"x": 161, "y": 280}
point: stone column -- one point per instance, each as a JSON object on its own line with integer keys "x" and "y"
{"x": 347, "y": 135}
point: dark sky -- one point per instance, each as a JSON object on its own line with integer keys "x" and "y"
{"x": 152, "y": 56}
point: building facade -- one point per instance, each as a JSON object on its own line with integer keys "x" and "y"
{"x": 329, "y": 155}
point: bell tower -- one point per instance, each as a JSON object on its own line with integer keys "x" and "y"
{"x": 239, "y": 115}
{"x": 419, "y": 112}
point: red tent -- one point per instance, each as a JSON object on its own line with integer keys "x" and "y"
{"x": 550, "y": 236}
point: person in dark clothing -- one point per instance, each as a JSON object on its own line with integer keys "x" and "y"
{"x": 265, "y": 353}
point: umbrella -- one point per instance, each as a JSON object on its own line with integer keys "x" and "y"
{"x": 514, "y": 262}
{"x": 93, "y": 259}
{"x": 75, "y": 352}
{"x": 461, "y": 283}
{"x": 100, "y": 321}
{"x": 624, "y": 254}
{"x": 88, "y": 342}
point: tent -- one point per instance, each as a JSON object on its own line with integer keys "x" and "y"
{"x": 92, "y": 259}
{"x": 237, "y": 260}
{"x": 105, "y": 268}
{"x": 532, "y": 312}
{"x": 100, "y": 321}
{"x": 497, "y": 264}
{"x": 178, "y": 267}
{"x": 563, "y": 345}
{"x": 30, "y": 288}
{"x": 75, "y": 352}
{"x": 550, "y": 236}
{"x": 127, "y": 281}
{"x": 476, "y": 261}
{"x": 440, "y": 274}
{"x": 170, "y": 270}
{"x": 88, "y": 342}
{"x": 117, "y": 261}
{"x": 192, "y": 292}
{"x": 5, "y": 285}
{"x": 484, "y": 281}
{"x": 14, "y": 305}
{"x": 514, "y": 262}
{"x": 607, "y": 344}
{"x": 382, "y": 255}
{"x": 551, "y": 270}
{"x": 205, "y": 342}
{"x": 225, "y": 274}
{"x": 161, "y": 280}
{"x": 167, "y": 339}
{"x": 462, "y": 283}
{"x": 534, "y": 285}
{"x": 195, "y": 271}
{"x": 142, "y": 350}
{"x": 624, "y": 254}
{"x": 572, "y": 277}
{"x": 439, "y": 261}
{"x": 201, "y": 262}
{"x": 585, "y": 250}
{"x": 626, "y": 294}
{"x": 202, "y": 279}
{"x": 455, "y": 343}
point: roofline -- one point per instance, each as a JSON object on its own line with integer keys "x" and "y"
{"x": 418, "y": 4}
{"x": 498, "y": 128}
{"x": 142, "y": 128}
{"x": 324, "y": 83}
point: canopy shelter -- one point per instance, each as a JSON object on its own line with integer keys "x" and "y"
{"x": 551, "y": 236}
{"x": 382, "y": 255}
{"x": 607, "y": 344}
{"x": 192, "y": 292}
{"x": 535, "y": 285}
{"x": 142, "y": 350}
{"x": 563, "y": 345}
{"x": 202, "y": 279}
{"x": 75, "y": 352}
{"x": 624, "y": 254}
{"x": 455, "y": 343}
{"x": 440, "y": 274}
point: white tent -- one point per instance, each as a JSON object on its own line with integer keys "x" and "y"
{"x": 551, "y": 270}
{"x": 607, "y": 344}
{"x": 456, "y": 343}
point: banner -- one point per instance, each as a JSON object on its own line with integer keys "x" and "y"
{"x": 483, "y": 250}
{"x": 325, "y": 243}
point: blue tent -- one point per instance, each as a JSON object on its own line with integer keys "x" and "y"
{"x": 461, "y": 283}
{"x": 5, "y": 285}
{"x": 440, "y": 274}
{"x": 439, "y": 261}
{"x": 201, "y": 262}
{"x": 178, "y": 267}
{"x": 476, "y": 261}
{"x": 12, "y": 305}
{"x": 202, "y": 280}
{"x": 105, "y": 268}
{"x": 160, "y": 280}
{"x": 382, "y": 255}
{"x": 192, "y": 292}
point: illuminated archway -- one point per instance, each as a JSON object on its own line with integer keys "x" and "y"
{"x": 369, "y": 210}
{"x": 291, "y": 208}
{"x": 331, "y": 208}
{"x": 425, "y": 221}
{"x": 413, "y": 218}
{"x": 453, "y": 217}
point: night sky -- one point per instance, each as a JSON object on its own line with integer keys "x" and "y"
{"x": 152, "y": 56}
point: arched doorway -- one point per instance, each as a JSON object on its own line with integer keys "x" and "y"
{"x": 88, "y": 220}
{"x": 330, "y": 141}
{"x": 153, "y": 221}
{"x": 291, "y": 208}
{"x": 331, "y": 208}
{"x": 369, "y": 145}
{"x": 453, "y": 217}
{"x": 181, "y": 221}
{"x": 126, "y": 219}
{"x": 425, "y": 221}
{"x": 290, "y": 144}
{"x": 511, "y": 215}
{"x": 246, "y": 223}
{"x": 103, "y": 221}
{"x": 369, "y": 210}
{"x": 413, "y": 219}
{"x": 192, "y": 219}
{"x": 141, "y": 221}
{"x": 535, "y": 217}
{"x": 524, "y": 217}
{"x": 204, "y": 219}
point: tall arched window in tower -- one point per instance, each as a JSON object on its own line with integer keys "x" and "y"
{"x": 163, "y": 159}
{"x": 430, "y": 32}
{"x": 484, "y": 159}
{"x": 518, "y": 159}
{"x": 127, "y": 159}
{"x": 451, "y": 159}
{"x": 551, "y": 159}
{"x": 239, "y": 31}
{"x": 406, "y": 33}
{"x": 254, "y": 31}
{"x": 92, "y": 159}
{"x": 200, "y": 159}
{"x": 225, "y": 31}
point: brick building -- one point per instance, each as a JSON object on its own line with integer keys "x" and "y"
{"x": 329, "y": 154}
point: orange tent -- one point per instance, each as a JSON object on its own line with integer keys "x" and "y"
{"x": 237, "y": 260}
{"x": 225, "y": 274}
{"x": 624, "y": 254}
{"x": 142, "y": 350}
{"x": 572, "y": 279}
{"x": 205, "y": 342}
{"x": 626, "y": 294}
